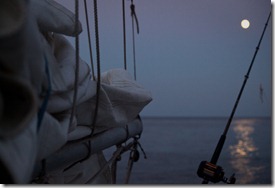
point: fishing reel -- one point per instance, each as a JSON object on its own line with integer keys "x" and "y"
{"x": 213, "y": 173}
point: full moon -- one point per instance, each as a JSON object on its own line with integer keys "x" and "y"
{"x": 245, "y": 24}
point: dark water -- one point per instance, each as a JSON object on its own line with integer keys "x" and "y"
{"x": 176, "y": 146}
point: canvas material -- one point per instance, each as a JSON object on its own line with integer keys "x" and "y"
{"x": 119, "y": 93}
{"x": 12, "y": 16}
{"x": 82, "y": 172}
{"x": 18, "y": 152}
{"x": 121, "y": 100}
{"x": 53, "y": 17}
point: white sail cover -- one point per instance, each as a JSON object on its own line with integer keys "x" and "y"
{"x": 32, "y": 40}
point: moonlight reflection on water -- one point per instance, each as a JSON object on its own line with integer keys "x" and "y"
{"x": 244, "y": 150}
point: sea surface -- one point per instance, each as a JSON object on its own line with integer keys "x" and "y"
{"x": 175, "y": 147}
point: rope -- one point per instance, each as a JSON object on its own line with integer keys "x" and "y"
{"x": 89, "y": 39}
{"x": 114, "y": 165}
{"x": 116, "y": 154}
{"x": 98, "y": 85}
{"x": 113, "y": 170}
{"x": 116, "y": 157}
{"x": 76, "y": 82}
{"x": 124, "y": 34}
{"x": 135, "y": 143}
{"x": 98, "y": 67}
{"x": 133, "y": 13}
{"x": 134, "y": 50}
{"x": 77, "y": 63}
{"x": 134, "y": 157}
{"x": 134, "y": 18}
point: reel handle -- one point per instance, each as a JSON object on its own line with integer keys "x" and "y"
{"x": 214, "y": 173}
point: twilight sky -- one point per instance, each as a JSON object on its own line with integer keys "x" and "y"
{"x": 191, "y": 54}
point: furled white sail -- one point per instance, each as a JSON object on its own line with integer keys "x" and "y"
{"x": 32, "y": 41}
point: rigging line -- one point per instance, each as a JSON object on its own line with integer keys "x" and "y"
{"x": 76, "y": 85}
{"x": 129, "y": 168}
{"x": 114, "y": 164}
{"x": 134, "y": 50}
{"x": 98, "y": 67}
{"x": 106, "y": 166}
{"x": 134, "y": 17}
{"x": 220, "y": 144}
{"x": 133, "y": 13}
{"x": 113, "y": 171}
{"x": 89, "y": 39}
{"x": 133, "y": 157}
{"x": 124, "y": 34}
{"x": 97, "y": 88}
{"x": 77, "y": 63}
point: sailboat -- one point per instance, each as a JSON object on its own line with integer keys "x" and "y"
{"x": 56, "y": 117}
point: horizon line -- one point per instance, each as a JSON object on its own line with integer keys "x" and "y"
{"x": 155, "y": 116}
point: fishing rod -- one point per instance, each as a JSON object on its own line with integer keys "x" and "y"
{"x": 209, "y": 171}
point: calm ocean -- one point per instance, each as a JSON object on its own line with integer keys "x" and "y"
{"x": 176, "y": 146}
